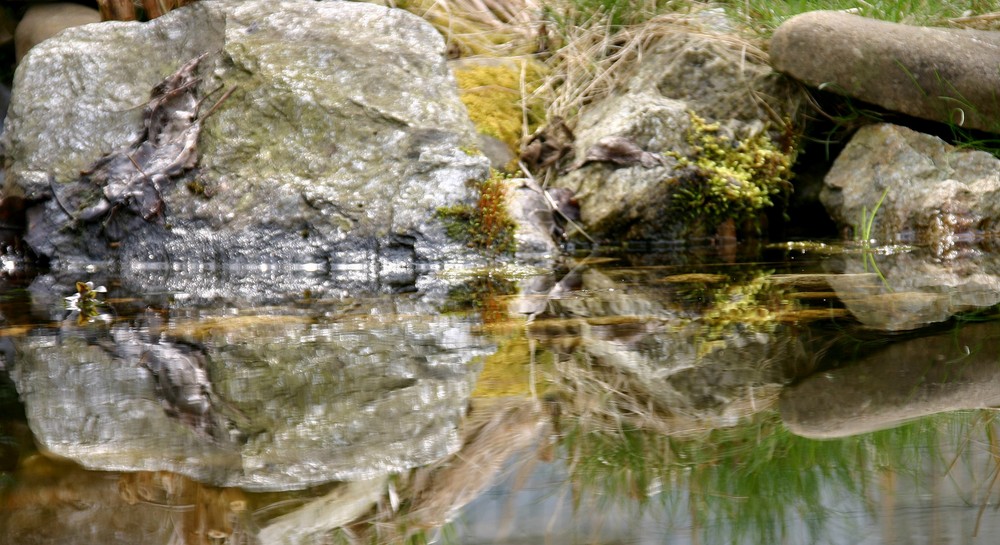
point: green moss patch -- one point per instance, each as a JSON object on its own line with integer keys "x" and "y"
{"x": 485, "y": 225}
{"x": 729, "y": 180}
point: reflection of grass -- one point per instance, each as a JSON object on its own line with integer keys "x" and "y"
{"x": 751, "y": 481}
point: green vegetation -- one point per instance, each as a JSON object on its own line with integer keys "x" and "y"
{"x": 764, "y": 16}
{"x": 731, "y": 180}
{"x": 87, "y": 302}
{"x": 863, "y": 231}
{"x": 486, "y": 225}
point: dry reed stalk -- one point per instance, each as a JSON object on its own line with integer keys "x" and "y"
{"x": 606, "y": 399}
{"x": 596, "y": 60}
{"x": 491, "y": 435}
{"x": 116, "y": 10}
{"x": 984, "y": 21}
{"x": 496, "y": 28}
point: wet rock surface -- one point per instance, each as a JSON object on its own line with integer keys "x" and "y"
{"x": 935, "y": 194}
{"x": 945, "y": 75}
{"x": 342, "y": 137}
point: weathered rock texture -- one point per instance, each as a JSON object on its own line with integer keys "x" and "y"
{"x": 905, "y": 381}
{"x": 284, "y": 402}
{"x": 342, "y": 137}
{"x": 935, "y": 194}
{"x": 686, "y": 72}
{"x": 946, "y": 75}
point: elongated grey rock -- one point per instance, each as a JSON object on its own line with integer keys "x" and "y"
{"x": 905, "y": 381}
{"x": 946, "y": 75}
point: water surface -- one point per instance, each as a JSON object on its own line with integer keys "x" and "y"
{"x": 787, "y": 394}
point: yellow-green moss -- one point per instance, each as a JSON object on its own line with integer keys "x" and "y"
{"x": 492, "y": 95}
{"x": 486, "y": 225}
{"x": 730, "y": 180}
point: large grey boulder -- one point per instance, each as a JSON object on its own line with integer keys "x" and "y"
{"x": 343, "y": 136}
{"x": 946, "y": 75}
{"x": 686, "y": 72}
{"x": 935, "y": 194}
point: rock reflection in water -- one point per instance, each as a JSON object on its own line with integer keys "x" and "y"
{"x": 641, "y": 346}
{"x": 668, "y": 403}
{"x": 262, "y": 401}
{"x": 906, "y": 380}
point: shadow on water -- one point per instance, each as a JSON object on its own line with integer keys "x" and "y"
{"x": 786, "y": 394}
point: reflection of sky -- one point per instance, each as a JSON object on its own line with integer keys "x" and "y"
{"x": 930, "y": 508}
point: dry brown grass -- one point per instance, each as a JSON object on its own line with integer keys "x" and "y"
{"x": 588, "y": 56}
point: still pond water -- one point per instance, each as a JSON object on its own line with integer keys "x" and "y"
{"x": 788, "y": 394}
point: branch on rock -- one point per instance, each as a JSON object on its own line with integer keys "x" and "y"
{"x": 133, "y": 178}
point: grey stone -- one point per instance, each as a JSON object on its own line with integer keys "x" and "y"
{"x": 685, "y": 72}
{"x": 343, "y": 136}
{"x": 535, "y": 236}
{"x": 946, "y": 75}
{"x": 935, "y": 194}
{"x": 907, "y": 380}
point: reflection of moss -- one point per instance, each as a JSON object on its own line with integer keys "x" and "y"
{"x": 729, "y": 180}
{"x": 485, "y": 293}
{"x": 506, "y": 373}
{"x": 485, "y": 225}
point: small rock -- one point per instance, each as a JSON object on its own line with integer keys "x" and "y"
{"x": 42, "y": 21}
{"x": 630, "y": 198}
{"x": 935, "y": 194}
{"x": 945, "y": 75}
{"x": 495, "y": 150}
